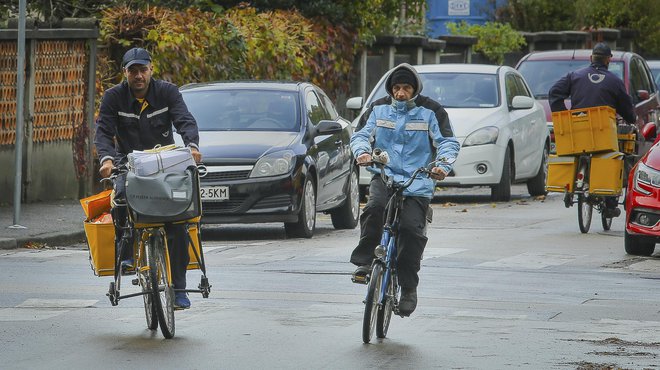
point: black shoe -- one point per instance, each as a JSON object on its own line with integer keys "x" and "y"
{"x": 611, "y": 212}
{"x": 360, "y": 274}
{"x": 408, "y": 301}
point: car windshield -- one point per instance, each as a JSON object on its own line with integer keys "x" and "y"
{"x": 542, "y": 74}
{"x": 656, "y": 75}
{"x": 457, "y": 90}
{"x": 244, "y": 110}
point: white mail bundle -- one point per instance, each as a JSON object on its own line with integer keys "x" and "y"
{"x": 160, "y": 159}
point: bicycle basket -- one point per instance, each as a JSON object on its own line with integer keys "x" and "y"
{"x": 163, "y": 197}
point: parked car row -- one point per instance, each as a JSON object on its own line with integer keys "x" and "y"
{"x": 279, "y": 151}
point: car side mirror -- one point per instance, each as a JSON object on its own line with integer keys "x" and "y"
{"x": 642, "y": 94}
{"x": 328, "y": 127}
{"x": 522, "y": 102}
{"x": 354, "y": 103}
{"x": 649, "y": 131}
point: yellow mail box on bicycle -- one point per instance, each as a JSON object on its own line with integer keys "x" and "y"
{"x": 561, "y": 173}
{"x": 586, "y": 130}
{"x": 606, "y": 174}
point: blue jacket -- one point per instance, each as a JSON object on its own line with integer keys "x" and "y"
{"x": 592, "y": 86}
{"x": 408, "y": 134}
{"x": 120, "y": 118}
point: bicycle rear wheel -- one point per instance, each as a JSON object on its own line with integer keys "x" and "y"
{"x": 605, "y": 221}
{"x": 371, "y": 303}
{"x": 585, "y": 210}
{"x": 386, "y": 309}
{"x": 144, "y": 276}
{"x": 163, "y": 291}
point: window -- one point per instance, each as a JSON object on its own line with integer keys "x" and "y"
{"x": 315, "y": 111}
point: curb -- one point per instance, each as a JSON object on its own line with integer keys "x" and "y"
{"x": 52, "y": 239}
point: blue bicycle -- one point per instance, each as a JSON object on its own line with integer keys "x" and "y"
{"x": 383, "y": 286}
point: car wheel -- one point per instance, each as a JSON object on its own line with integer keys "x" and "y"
{"x": 304, "y": 228}
{"x": 502, "y": 191}
{"x": 638, "y": 245}
{"x": 347, "y": 215}
{"x": 536, "y": 185}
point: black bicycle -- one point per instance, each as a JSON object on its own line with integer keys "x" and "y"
{"x": 383, "y": 286}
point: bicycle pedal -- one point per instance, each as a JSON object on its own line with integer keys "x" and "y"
{"x": 360, "y": 279}
{"x": 134, "y": 281}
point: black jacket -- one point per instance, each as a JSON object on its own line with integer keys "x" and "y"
{"x": 120, "y": 118}
{"x": 591, "y": 87}
{"x": 420, "y": 101}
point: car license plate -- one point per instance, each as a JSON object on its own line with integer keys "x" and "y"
{"x": 214, "y": 193}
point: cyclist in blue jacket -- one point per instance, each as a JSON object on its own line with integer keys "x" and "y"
{"x": 410, "y": 134}
{"x": 595, "y": 86}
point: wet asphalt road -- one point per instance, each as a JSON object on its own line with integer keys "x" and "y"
{"x": 503, "y": 285}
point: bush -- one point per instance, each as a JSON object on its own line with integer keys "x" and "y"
{"x": 494, "y": 39}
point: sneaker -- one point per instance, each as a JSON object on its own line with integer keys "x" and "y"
{"x": 360, "y": 274}
{"x": 408, "y": 301}
{"x": 127, "y": 267}
{"x": 181, "y": 301}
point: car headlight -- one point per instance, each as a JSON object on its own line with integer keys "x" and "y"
{"x": 274, "y": 164}
{"x": 486, "y": 135}
{"x": 647, "y": 176}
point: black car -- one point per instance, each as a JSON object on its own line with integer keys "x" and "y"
{"x": 273, "y": 152}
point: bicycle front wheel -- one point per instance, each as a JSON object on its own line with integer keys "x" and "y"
{"x": 163, "y": 291}
{"x": 585, "y": 210}
{"x": 386, "y": 309}
{"x": 371, "y": 303}
{"x": 144, "y": 276}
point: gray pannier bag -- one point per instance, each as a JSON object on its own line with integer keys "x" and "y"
{"x": 164, "y": 196}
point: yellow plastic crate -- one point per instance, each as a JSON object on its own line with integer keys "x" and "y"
{"x": 193, "y": 264}
{"x": 561, "y": 173}
{"x": 627, "y": 143}
{"x": 606, "y": 174}
{"x": 101, "y": 241}
{"x": 587, "y": 130}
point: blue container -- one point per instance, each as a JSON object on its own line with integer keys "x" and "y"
{"x": 442, "y": 12}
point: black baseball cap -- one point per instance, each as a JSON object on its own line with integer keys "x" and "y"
{"x": 601, "y": 48}
{"x": 136, "y": 56}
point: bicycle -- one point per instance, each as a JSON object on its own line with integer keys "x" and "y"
{"x": 382, "y": 280}
{"x": 590, "y": 197}
{"x": 152, "y": 265}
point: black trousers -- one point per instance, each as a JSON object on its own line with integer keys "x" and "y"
{"x": 411, "y": 239}
{"x": 177, "y": 238}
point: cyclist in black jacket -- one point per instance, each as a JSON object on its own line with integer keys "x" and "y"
{"x": 138, "y": 114}
{"x": 595, "y": 86}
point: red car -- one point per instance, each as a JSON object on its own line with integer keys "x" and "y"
{"x": 543, "y": 68}
{"x": 643, "y": 200}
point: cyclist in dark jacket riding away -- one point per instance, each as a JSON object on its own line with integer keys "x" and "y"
{"x": 410, "y": 134}
{"x": 595, "y": 86}
{"x": 138, "y": 114}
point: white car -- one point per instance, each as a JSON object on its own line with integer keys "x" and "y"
{"x": 500, "y": 126}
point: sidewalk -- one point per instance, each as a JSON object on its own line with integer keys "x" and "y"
{"x": 55, "y": 223}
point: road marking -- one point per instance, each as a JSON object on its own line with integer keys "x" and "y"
{"x": 440, "y": 252}
{"x": 35, "y": 309}
{"x": 531, "y": 260}
{"x": 56, "y": 303}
